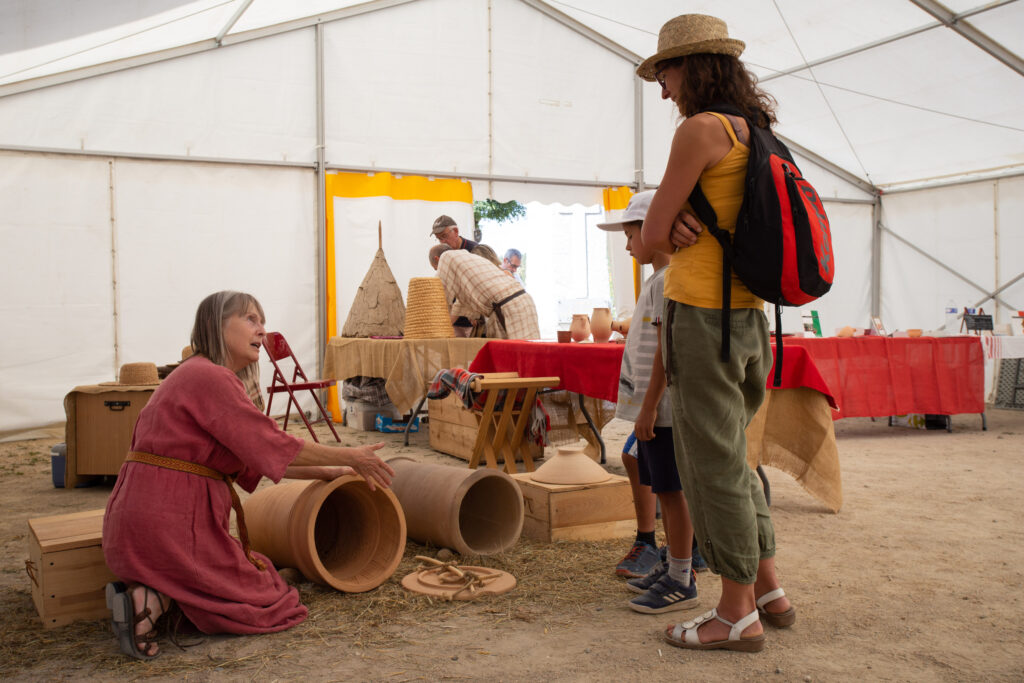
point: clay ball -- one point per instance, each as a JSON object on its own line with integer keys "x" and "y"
{"x": 444, "y": 554}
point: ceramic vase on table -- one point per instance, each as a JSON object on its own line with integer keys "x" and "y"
{"x": 580, "y": 327}
{"x": 601, "y": 325}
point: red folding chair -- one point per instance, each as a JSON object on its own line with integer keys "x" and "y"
{"x": 278, "y": 350}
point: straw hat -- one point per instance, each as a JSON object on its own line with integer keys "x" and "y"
{"x": 570, "y": 466}
{"x": 426, "y": 310}
{"x": 187, "y": 352}
{"x": 136, "y": 375}
{"x": 690, "y": 34}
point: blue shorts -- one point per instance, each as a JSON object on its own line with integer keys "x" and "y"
{"x": 657, "y": 459}
{"x": 630, "y": 447}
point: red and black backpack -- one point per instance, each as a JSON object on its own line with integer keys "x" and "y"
{"x": 782, "y": 246}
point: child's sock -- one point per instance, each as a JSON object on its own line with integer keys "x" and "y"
{"x": 680, "y": 569}
{"x": 647, "y": 537}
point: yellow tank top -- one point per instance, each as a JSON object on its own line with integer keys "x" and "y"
{"x": 694, "y": 274}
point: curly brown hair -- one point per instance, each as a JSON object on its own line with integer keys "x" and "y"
{"x": 709, "y": 79}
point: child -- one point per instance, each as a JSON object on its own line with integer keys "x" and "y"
{"x": 670, "y": 584}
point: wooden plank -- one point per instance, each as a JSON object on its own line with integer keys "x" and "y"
{"x": 450, "y": 409}
{"x": 602, "y": 503}
{"x": 63, "y": 532}
{"x": 595, "y": 532}
{"x": 454, "y": 439}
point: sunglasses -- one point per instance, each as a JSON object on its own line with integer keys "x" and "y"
{"x": 659, "y": 76}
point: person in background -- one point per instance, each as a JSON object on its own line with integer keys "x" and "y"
{"x": 447, "y": 232}
{"x": 669, "y": 585}
{"x": 512, "y": 262}
{"x": 166, "y": 526}
{"x": 481, "y": 290}
{"x": 697, "y": 66}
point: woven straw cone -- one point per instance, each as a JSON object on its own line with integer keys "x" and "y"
{"x": 426, "y": 310}
{"x": 186, "y": 352}
{"x": 137, "y": 375}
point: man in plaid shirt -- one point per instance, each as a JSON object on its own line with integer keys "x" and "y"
{"x": 476, "y": 288}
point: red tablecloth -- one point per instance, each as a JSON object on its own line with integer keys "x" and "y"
{"x": 593, "y": 369}
{"x": 882, "y": 376}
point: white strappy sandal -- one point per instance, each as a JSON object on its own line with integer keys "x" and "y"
{"x": 684, "y": 635}
{"x": 776, "y": 619}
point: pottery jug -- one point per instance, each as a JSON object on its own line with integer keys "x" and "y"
{"x": 338, "y": 533}
{"x": 473, "y": 512}
{"x": 580, "y": 327}
{"x": 601, "y": 324}
{"x": 622, "y": 326}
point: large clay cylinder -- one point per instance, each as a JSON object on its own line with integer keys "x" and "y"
{"x": 337, "y": 533}
{"x": 474, "y": 512}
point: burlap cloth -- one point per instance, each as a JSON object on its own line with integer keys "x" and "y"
{"x": 793, "y": 431}
{"x": 407, "y": 365}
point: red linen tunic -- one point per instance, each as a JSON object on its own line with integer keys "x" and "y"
{"x": 169, "y": 529}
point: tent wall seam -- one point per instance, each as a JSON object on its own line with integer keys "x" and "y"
{"x": 320, "y": 253}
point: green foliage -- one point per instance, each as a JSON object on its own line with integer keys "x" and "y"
{"x": 499, "y": 212}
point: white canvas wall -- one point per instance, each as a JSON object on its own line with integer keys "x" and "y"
{"x": 249, "y": 101}
{"x": 179, "y": 232}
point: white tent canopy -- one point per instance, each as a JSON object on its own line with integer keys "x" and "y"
{"x": 152, "y": 152}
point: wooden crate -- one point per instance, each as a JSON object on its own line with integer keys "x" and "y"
{"x": 99, "y": 429}
{"x": 453, "y": 430}
{"x": 67, "y": 568}
{"x": 578, "y": 512}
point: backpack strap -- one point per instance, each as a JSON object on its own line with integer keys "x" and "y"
{"x": 706, "y": 213}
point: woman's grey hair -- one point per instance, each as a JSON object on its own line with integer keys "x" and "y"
{"x": 208, "y": 331}
{"x": 513, "y": 253}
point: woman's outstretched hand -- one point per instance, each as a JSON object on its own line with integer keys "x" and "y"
{"x": 368, "y": 465}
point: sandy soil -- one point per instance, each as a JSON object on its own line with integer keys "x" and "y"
{"x": 917, "y": 578}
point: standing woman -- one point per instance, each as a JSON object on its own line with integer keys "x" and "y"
{"x": 697, "y": 66}
{"x": 166, "y": 528}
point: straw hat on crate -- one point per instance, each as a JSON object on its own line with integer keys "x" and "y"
{"x": 690, "y": 34}
{"x": 426, "y": 310}
{"x": 135, "y": 375}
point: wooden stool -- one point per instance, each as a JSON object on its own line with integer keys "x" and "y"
{"x": 505, "y": 431}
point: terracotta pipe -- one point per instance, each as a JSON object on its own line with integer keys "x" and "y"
{"x": 337, "y": 533}
{"x": 474, "y": 512}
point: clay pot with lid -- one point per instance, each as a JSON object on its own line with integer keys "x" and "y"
{"x": 580, "y": 327}
{"x": 338, "y": 533}
{"x": 474, "y": 512}
{"x": 601, "y": 325}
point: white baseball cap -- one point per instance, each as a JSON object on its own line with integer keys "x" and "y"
{"x": 635, "y": 210}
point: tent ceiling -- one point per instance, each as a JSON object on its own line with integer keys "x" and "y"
{"x": 897, "y": 93}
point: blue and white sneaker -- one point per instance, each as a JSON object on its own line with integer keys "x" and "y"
{"x": 667, "y": 595}
{"x": 638, "y": 561}
{"x": 643, "y": 583}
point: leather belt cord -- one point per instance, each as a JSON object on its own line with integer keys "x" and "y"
{"x": 203, "y": 471}
{"x": 497, "y": 306}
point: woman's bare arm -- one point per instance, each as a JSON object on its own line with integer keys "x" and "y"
{"x": 362, "y": 459}
{"x": 700, "y": 142}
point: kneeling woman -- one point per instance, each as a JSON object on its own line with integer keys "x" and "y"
{"x": 166, "y": 528}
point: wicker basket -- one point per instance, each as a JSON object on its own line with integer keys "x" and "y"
{"x": 426, "y": 310}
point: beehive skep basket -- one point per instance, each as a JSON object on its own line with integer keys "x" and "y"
{"x": 426, "y": 313}
{"x": 377, "y": 309}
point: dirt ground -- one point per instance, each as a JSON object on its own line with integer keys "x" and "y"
{"x": 918, "y": 578}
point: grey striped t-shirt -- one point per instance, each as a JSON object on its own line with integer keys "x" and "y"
{"x": 638, "y": 356}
